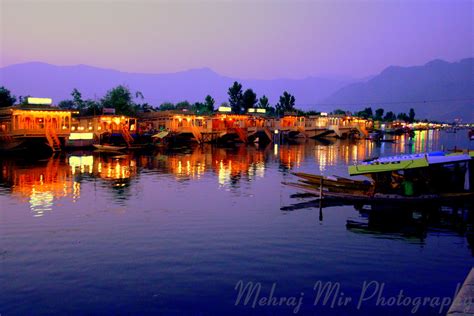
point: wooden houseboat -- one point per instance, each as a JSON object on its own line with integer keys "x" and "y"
{"x": 114, "y": 129}
{"x": 34, "y": 125}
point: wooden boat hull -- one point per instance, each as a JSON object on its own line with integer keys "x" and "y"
{"x": 334, "y": 181}
{"x": 347, "y": 196}
{"x": 109, "y": 147}
{"x": 11, "y": 145}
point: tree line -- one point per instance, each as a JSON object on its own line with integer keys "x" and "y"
{"x": 380, "y": 115}
{"x": 126, "y": 102}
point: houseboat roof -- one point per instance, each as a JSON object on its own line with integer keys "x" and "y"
{"x": 411, "y": 161}
{"x": 30, "y": 108}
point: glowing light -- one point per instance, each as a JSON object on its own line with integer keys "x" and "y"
{"x": 78, "y": 136}
{"x": 261, "y": 111}
{"x": 225, "y": 109}
{"x": 42, "y": 101}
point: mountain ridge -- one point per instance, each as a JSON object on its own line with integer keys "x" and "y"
{"x": 192, "y": 85}
{"x": 395, "y": 88}
{"x": 421, "y": 87}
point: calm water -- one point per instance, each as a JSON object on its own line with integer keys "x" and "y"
{"x": 173, "y": 232}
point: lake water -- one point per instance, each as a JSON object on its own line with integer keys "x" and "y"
{"x": 173, "y": 233}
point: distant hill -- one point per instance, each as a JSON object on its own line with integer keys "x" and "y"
{"x": 57, "y": 82}
{"x": 436, "y": 80}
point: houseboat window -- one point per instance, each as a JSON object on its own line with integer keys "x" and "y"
{"x": 39, "y": 122}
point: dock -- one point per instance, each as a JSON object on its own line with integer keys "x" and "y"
{"x": 463, "y": 304}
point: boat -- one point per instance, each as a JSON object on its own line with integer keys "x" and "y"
{"x": 414, "y": 178}
{"x": 333, "y": 181}
{"x": 112, "y": 148}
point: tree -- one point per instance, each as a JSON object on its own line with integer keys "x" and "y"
{"x": 389, "y": 116}
{"x": 209, "y": 102}
{"x": 92, "y": 107}
{"x": 235, "y": 97}
{"x": 366, "y": 113}
{"x": 23, "y": 100}
{"x": 6, "y": 99}
{"x": 77, "y": 99}
{"x": 139, "y": 95}
{"x": 66, "y": 104}
{"x": 249, "y": 99}
{"x": 183, "y": 105}
{"x": 403, "y": 117}
{"x": 411, "y": 115}
{"x": 379, "y": 114}
{"x": 263, "y": 102}
{"x": 167, "y": 106}
{"x": 312, "y": 112}
{"x": 339, "y": 112}
{"x": 286, "y": 104}
{"x": 119, "y": 98}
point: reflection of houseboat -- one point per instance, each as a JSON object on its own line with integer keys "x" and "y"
{"x": 408, "y": 178}
{"x": 33, "y": 125}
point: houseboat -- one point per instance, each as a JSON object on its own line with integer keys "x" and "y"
{"x": 34, "y": 125}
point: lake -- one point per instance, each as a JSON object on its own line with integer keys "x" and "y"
{"x": 183, "y": 231}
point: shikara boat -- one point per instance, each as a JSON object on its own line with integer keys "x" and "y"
{"x": 112, "y": 148}
{"x": 413, "y": 178}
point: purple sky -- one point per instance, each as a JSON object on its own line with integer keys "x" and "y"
{"x": 246, "y": 39}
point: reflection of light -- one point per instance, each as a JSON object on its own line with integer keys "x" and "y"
{"x": 275, "y": 149}
{"x": 81, "y": 162}
{"x": 321, "y": 157}
{"x": 41, "y": 202}
{"x": 76, "y": 191}
{"x": 354, "y": 153}
{"x": 223, "y": 174}
{"x": 260, "y": 169}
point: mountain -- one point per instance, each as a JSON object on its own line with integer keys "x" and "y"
{"x": 57, "y": 82}
{"x": 437, "y": 90}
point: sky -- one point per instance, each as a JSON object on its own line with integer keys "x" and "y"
{"x": 261, "y": 39}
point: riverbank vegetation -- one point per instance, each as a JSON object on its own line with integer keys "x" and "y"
{"x": 124, "y": 101}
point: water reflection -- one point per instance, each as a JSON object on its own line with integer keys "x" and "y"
{"x": 43, "y": 182}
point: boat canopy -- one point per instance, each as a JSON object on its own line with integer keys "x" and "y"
{"x": 403, "y": 162}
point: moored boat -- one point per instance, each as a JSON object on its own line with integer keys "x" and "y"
{"x": 109, "y": 147}
{"x": 436, "y": 176}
